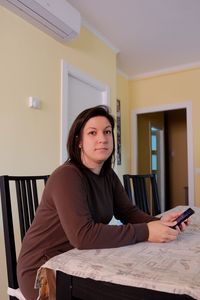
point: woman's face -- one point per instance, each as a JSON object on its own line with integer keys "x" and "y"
{"x": 97, "y": 142}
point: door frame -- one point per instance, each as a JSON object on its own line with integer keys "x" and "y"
{"x": 134, "y": 153}
{"x": 66, "y": 71}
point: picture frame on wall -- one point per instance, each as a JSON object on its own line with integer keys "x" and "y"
{"x": 118, "y": 104}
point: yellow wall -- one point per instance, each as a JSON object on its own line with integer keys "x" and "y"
{"x": 170, "y": 89}
{"x": 30, "y": 64}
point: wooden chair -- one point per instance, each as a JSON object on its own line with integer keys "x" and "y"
{"x": 143, "y": 190}
{"x": 18, "y": 193}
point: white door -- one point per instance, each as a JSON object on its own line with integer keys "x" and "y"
{"x": 158, "y": 162}
{"x": 79, "y": 91}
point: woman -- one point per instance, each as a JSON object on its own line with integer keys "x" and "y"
{"x": 80, "y": 199}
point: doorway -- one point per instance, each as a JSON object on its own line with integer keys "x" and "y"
{"x": 171, "y": 158}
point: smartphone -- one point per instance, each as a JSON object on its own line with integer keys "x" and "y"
{"x": 184, "y": 216}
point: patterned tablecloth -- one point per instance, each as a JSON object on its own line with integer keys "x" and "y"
{"x": 172, "y": 267}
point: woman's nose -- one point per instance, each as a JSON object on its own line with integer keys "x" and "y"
{"x": 102, "y": 137}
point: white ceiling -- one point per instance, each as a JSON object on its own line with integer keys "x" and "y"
{"x": 152, "y": 36}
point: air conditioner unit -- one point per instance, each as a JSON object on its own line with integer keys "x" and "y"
{"x": 56, "y": 17}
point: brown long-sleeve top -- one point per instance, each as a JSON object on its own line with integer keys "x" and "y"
{"x": 74, "y": 211}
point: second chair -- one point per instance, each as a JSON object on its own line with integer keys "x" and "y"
{"x": 143, "y": 190}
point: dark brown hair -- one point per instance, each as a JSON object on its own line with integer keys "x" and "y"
{"x": 75, "y": 133}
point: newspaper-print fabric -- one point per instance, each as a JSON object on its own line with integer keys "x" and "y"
{"x": 172, "y": 267}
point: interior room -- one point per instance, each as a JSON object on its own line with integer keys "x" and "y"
{"x": 36, "y": 69}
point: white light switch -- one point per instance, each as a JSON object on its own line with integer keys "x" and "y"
{"x": 34, "y": 102}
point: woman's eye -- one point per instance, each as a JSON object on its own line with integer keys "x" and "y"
{"x": 108, "y": 132}
{"x": 92, "y": 132}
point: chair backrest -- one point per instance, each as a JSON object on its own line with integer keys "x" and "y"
{"x": 22, "y": 191}
{"x": 143, "y": 190}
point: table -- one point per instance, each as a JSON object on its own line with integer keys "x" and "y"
{"x": 141, "y": 271}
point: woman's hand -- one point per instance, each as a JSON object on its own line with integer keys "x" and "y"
{"x": 160, "y": 232}
{"x": 169, "y": 219}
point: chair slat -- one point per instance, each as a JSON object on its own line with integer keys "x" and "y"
{"x": 25, "y": 220}
{"x": 20, "y": 208}
{"x": 35, "y": 194}
{"x": 155, "y": 194}
{"x": 30, "y": 202}
{"x": 8, "y": 231}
